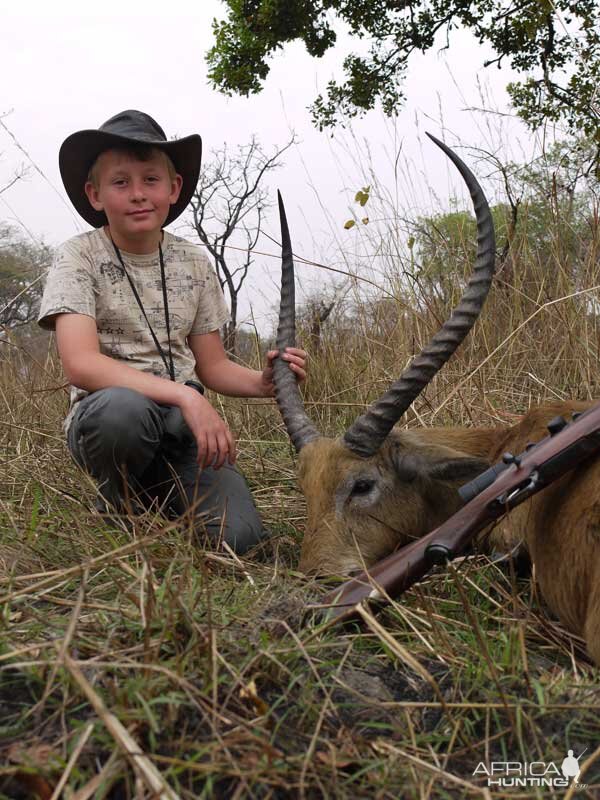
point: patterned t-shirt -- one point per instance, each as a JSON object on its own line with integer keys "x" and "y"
{"x": 87, "y": 278}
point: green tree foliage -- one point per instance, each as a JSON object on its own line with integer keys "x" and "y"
{"x": 544, "y": 235}
{"x": 555, "y": 44}
{"x": 442, "y": 243}
{"x": 21, "y": 267}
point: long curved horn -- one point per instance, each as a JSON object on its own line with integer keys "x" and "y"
{"x": 366, "y": 435}
{"x": 300, "y": 429}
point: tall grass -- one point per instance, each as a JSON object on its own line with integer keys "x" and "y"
{"x": 140, "y": 664}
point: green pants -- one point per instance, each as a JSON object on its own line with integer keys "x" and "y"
{"x": 120, "y": 435}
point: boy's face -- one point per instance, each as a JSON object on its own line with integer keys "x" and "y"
{"x": 136, "y": 197}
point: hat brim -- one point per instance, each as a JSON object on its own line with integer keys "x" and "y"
{"x": 79, "y": 151}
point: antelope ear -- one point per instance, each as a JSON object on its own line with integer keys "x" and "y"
{"x": 457, "y": 469}
{"x": 438, "y": 463}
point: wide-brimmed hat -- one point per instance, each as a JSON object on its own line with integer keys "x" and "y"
{"x": 79, "y": 151}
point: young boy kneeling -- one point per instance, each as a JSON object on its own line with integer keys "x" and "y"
{"x": 137, "y": 313}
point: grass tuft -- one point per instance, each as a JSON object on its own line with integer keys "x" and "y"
{"x": 137, "y": 664}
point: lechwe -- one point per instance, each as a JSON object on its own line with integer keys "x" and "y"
{"x": 377, "y": 487}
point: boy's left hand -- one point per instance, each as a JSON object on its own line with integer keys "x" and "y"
{"x": 296, "y": 359}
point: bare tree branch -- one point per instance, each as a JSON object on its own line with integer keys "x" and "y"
{"x": 19, "y": 174}
{"x": 229, "y": 197}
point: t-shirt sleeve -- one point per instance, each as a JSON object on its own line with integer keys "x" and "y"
{"x": 69, "y": 286}
{"x": 212, "y": 312}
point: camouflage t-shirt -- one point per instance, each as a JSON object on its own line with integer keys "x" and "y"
{"x": 87, "y": 278}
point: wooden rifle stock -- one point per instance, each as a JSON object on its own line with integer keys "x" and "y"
{"x": 567, "y": 446}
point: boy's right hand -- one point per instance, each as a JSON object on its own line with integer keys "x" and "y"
{"x": 214, "y": 439}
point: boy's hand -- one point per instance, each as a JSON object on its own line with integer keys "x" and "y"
{"x": 296, "y": 359}
{"x": 214, "y": 439}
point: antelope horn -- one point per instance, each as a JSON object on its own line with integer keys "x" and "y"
{"x": 300, "y": 429}
{"x": 366, "y": 435}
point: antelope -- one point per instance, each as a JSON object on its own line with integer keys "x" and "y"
{"x": 377, "y": 487}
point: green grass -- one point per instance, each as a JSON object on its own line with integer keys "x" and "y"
{"x": 214, "y": 668}
{"x": 227, "y": 686}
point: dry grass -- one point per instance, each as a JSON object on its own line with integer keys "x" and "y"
{"x": 137, "y": 665}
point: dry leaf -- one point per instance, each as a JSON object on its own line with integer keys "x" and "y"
{"x": 332, "y": 758}
{"x": 35, "y": 785}
{"x": 34, "y": 756}
{"x": 37, "y": 755}
{"x": 250, "y": 693}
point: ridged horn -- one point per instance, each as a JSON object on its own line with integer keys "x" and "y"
{"x": 287, "y": 394}
{"x": 366, "y": 435}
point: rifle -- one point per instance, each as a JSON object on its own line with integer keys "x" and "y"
{"x": 490, "y": 495}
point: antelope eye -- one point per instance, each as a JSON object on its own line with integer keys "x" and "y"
{"x": 362, "y": 486}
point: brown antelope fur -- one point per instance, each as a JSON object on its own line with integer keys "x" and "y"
{"x": 378, "y": 487}
{"x": 361, "y": 509}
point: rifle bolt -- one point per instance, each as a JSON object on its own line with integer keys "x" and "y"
{"x": 556, "y": 425}
{"x": 508, "y": 458}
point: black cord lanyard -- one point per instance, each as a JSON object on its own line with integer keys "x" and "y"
{"x": 168, "y": 365}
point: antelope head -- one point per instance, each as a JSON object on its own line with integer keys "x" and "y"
{"x": 376, "y": 487}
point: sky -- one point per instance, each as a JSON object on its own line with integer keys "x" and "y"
{"x": 66, "y": 67}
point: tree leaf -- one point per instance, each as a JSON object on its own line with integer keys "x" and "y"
{"x": 362, "y": 196}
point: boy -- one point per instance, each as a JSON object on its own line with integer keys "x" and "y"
{"x": 137, "y": 313}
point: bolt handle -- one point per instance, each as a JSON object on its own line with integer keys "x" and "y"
{"x": 556, "y": 425}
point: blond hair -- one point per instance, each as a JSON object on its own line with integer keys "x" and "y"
{"x": 138, "y": 152}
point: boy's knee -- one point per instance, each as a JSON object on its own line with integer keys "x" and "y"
{"x": 116, "y": 427}
{"x": 122, "y": 416}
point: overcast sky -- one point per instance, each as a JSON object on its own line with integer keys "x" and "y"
{"x": 66, "y": 67}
